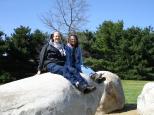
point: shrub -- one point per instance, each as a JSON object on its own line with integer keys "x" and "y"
{"x": 5, "y": 77}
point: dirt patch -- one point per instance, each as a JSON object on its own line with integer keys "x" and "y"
{"x": 129, "y": 109}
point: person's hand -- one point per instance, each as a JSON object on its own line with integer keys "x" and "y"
{"x": 39, "y": 72}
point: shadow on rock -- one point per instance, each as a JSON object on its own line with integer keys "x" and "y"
{"x": 127, "y": 107}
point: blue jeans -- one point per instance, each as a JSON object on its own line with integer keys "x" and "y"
{"x": 68, "y": 72}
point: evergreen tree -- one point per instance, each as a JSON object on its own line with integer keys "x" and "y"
{"x": 20, "y": 43}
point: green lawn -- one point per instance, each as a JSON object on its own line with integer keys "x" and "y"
{"x": 132, "y": 88}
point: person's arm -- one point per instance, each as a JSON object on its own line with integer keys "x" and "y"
{"x": 80, "y": 54}
{"x": 41, "y": 59}
{"x": 79, "y": 59}
{"x": 68, "y": 55}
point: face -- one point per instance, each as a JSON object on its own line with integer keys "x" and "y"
{"x": 56, "y": 37}
{"x": 72, "y": 40}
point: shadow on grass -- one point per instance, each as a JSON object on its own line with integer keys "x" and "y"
{"x": 127, "y": 107}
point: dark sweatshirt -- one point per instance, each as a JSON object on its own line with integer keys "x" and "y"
{"x": 50, "y": 54}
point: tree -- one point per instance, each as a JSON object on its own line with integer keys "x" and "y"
{"x": 67, "y": 16}
{"x": 108, "y": 36}
{"x": 86, "y": 39}
{"x": 3, "y": 43}
{"x": 20, "y": 42}
{"x": 37, "y": 39}
{"x": 23, "y": 53}
{"x": 105, "y": 47}
{"x": 1, "y": 34}
{"x": 142, "y": 52}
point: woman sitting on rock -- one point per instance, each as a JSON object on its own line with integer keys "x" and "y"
{"x": 74, "y": 59}
{"x": 53, "y": 57}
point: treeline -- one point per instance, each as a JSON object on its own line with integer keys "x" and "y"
{"x": 126, "y": 52}
{"x": 19, "y": 53}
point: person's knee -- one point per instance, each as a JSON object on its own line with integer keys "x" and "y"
{"x": 73, "y": 70}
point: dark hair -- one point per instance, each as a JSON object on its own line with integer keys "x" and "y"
{"x": 76, "y": 37}
{"x": 51, "y": 36}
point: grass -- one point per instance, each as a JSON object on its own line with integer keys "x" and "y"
{"x": 132, "y": 89}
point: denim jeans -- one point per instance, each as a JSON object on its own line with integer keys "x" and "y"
{"x": 68, "y": 72}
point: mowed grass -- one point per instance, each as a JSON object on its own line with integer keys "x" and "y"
{"x": 132, "y": 89}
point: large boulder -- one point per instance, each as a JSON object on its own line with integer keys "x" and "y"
{"x": 47, "y": 94}
{"x": 51, "y": 94}
{"x": 113, "y": 95}
{"x": 145, "y": 101}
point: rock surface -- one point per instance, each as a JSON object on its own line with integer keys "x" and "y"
{"x": 51, "y": 94}
{"x": 113, "y": 95}
{"x": 47, "y": 94}
{"x": 145, "y": 101}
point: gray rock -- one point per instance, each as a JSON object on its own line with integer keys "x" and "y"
{"x": 47, "y": 94}
{"x": 113, "y": 95}
{"x": 51, "y": 94}
{"x": 145, "y": 101}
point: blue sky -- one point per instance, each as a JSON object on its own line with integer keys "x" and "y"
{"x": 14, "y": 13}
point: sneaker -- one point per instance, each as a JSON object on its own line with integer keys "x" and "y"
{"x": 89, "y": 88}
{"x": 98, "y": 78}
{"x": 86, "y": 88}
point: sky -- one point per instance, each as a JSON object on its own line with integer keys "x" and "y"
{"x": 14, "y": 13}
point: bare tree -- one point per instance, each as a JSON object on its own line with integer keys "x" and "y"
{"x": 67, "y": 16}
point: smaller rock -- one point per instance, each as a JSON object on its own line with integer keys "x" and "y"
{"x": 145, "y": 101}
{"x": 113, "y": 97}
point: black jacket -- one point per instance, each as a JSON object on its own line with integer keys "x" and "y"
{"x": 50, "y": 54}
